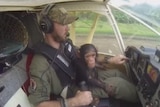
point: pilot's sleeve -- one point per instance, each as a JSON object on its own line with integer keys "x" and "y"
{"x": 41, "y": 80}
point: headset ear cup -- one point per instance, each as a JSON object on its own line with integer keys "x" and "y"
{"x": 46, "y": 25}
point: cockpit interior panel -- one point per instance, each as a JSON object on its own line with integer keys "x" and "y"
{"x": 145, "y": 72}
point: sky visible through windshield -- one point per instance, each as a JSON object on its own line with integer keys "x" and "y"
{"x": 135, "y": 2}
{"x": 151, "y": 2}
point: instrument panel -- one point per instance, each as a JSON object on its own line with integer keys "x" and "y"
{"x": 145, "y": 72}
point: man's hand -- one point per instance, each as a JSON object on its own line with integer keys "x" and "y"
{"x": 119, "y": 59}
{"x": 83, "y": 98}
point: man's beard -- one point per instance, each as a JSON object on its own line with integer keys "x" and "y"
{"x": 57, "y": 38}
{"x": 68, "y": 34}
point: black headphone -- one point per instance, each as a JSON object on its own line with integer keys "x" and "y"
{"x": 46, "y": 23}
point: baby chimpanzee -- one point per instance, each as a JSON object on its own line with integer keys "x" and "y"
{"x": 87, "y": 70}
{"x": 101, "y": 82}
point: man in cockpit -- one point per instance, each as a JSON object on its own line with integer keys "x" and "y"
{"x": 52, "y": 68}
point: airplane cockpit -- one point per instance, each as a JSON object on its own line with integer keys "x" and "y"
{"x": 115, "y": 27}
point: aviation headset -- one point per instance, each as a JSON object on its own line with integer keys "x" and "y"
{"x": 46, "y": 23}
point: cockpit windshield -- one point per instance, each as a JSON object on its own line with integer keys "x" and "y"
{"x": 143, "y": 21}
{"x": 146, "y": 10}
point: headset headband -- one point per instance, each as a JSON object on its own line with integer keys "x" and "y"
{"x": 46, "y": 10}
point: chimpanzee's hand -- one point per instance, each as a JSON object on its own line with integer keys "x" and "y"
{"x": 110, "y": 89}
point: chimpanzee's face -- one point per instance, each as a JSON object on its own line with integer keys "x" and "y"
{"x": 90, "y": 59}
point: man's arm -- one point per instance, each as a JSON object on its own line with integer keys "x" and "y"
{"x": 80, "y": 99}
{"x": 119, "y": 59}
{"x": 41, "y": 89}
